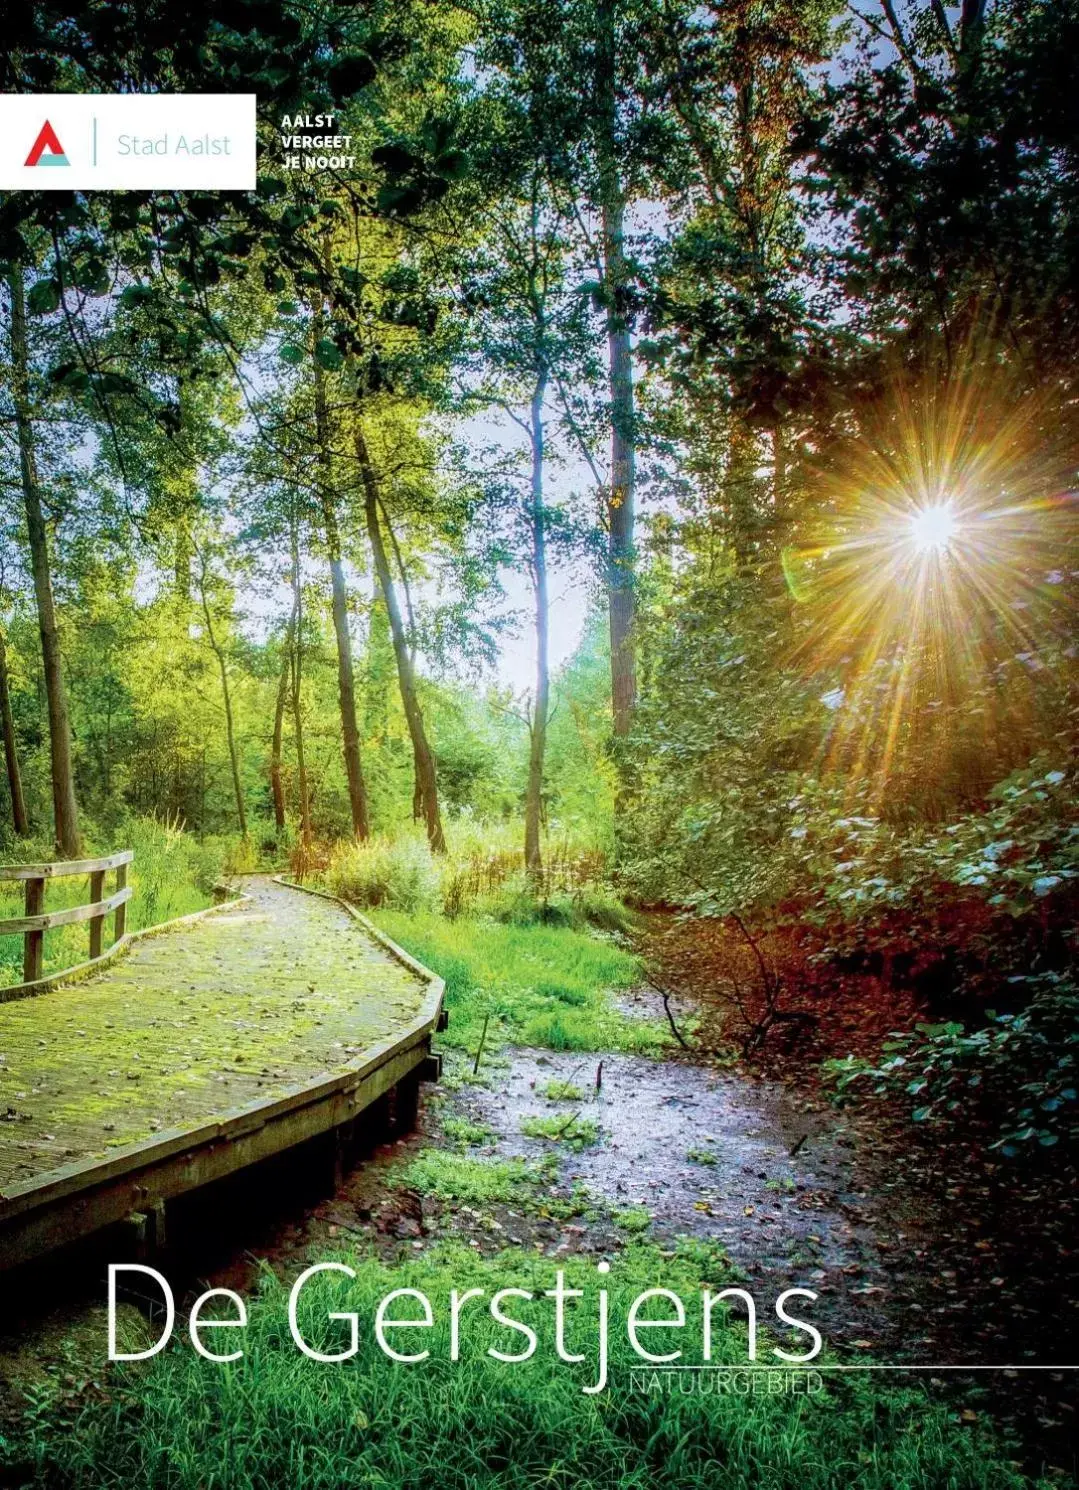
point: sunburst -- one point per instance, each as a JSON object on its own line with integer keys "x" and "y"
{"x": 926, "y": 575}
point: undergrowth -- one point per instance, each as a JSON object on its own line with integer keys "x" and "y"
{"x": 172, "y": 874}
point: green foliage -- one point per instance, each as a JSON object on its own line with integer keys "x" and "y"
{"x": 1018, "y": 1072}
{"x": 470, "y": 1181}
{"x": 540, "y": 985}
{"x": 575, "y": 1132}
{"x": 400, "y": 874}
{"x": 557, "y": 1090}
{"x": 461, "y": 1130}
{"x": 481, "y": 875}
{"x": 1017, "y": 852}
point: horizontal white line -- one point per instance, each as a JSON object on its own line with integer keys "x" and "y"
{"x": 853, "y": 1367}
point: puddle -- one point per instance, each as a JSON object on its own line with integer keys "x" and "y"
{"x": 708, "y": 1154}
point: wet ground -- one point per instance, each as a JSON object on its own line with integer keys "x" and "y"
{"x": 704, "y": 1153}
{"x": 787, "y": 1189}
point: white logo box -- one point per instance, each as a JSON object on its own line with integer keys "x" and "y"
{"x": 129, "y": 141}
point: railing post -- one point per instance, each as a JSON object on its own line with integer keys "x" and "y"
{"x": 97, "y": 923}
{"x": 120, "y": 921}
{"x": 33, "y": 941}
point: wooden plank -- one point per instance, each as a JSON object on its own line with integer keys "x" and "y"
{"x": 97, "y": 889}
{"x": 69, "y": 917}
{"x": 64, "y": 868}
{"x": 33, "y": 936}
{"x": 53, "y": 1209}
{"x": 17, "y": 991}
{"x": 74, "y": 1177}
{"x": 198, "y": 1162}
{"x": 119, "y": 929}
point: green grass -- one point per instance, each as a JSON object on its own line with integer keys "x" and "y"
{"x": 701, "y": 1156}
{"x": 575, "y": 1132}
{"x": 462, "y": 1178}
{"x": 541, "y": 985}
{"x": 278, "y": 1419}
{"x": 635, "y": 1220}
{"x": 461, "y": 1130}
{"x": 561, "y": 1091}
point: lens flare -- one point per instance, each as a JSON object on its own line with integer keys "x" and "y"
{"x": 933, "y": 528}
{"x": 934, "y": 591}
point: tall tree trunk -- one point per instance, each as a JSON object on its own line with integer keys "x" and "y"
{"x": 19, "y": 819}
{"x": 346, "y": 680}
{"x": 278, "y": 726}
{"x": 417, "y": 773}
{"x": 621, "y": 497}
{"x": 406, "y": 676}
{"x": 296, "y": 655}
{"x": 538, "y": 742}
{"x": 65, "y": 811}
{"x": 230, "y": 731}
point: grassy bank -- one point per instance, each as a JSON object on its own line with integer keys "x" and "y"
{"x": 277, "y": 1418}
{"x": 537, "y": 961}
{"x": 539, "y": 985}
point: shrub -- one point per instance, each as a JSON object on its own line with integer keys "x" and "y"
{"x": 397, "y": 873}
{"x": 482, "y": 875}
{"x": 1019, "y": 1070}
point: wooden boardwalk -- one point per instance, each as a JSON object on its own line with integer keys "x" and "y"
{"x": 271, "y": 1020}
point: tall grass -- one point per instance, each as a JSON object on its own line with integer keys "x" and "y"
{"x": 278, "y": 1419}
{"x": 483, "y": 874}
{"x": 172, "y": 874}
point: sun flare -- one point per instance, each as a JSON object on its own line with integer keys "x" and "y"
{"x": 933, "y": 528}
{"x": 933, "y": 577}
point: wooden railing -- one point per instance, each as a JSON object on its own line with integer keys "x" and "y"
{"x": 34, "y": 924}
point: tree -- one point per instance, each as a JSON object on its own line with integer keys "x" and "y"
{"x": 19, "y": 819}
{"x": 296, "y": 673}
{"x": 65, "y": 811}
{"x": 947, "y": 157}
{"x": 426, "y": 779}
{"x": 617, "y": 281}
{"x": 208, "y": 582}
{"x": 529, "y": 339}
{"x": 331, "y": 532}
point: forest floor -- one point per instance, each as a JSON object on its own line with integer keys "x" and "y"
{"x": 918, "y": 1254}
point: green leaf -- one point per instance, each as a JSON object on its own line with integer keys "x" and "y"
{"x": 43, "y": 298}
{"x": 328, "y": 354}
{"x": 292, "y": 354}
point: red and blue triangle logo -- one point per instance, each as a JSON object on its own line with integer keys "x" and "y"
{"x": 47, "y": 149}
